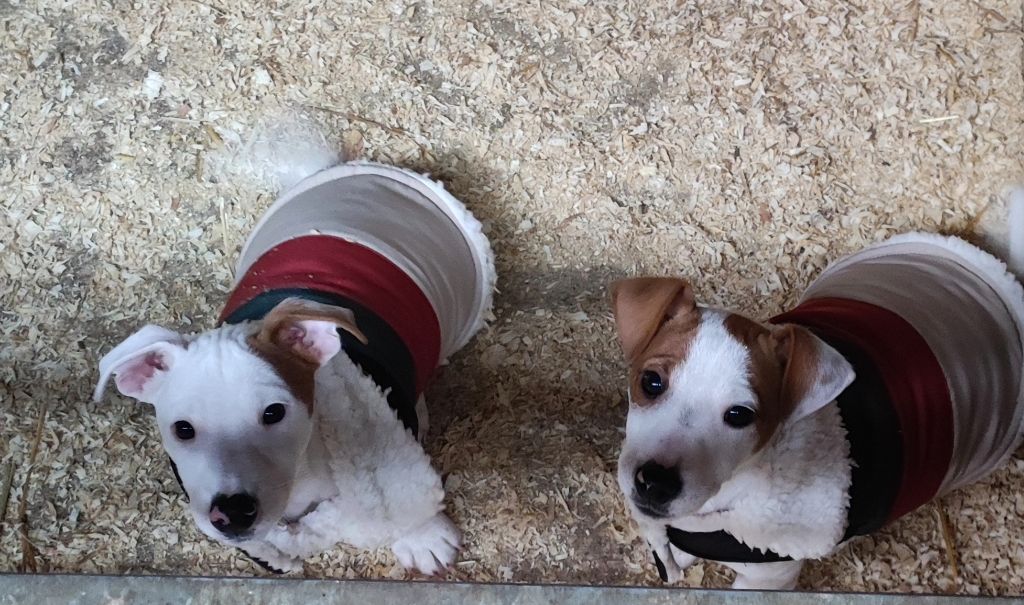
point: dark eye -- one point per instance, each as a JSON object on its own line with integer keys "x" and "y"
{"x": 652, "y": 384}
{"x": 274, "y": 413}
{"x": 739, "y": 416}
{"x": 184, "y": 430}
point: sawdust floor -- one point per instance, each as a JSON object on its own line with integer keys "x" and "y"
{"x": 741, "y": 146}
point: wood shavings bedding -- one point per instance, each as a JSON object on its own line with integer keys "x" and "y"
{"x": 743, "y": 146}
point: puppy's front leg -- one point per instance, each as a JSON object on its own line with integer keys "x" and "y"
{"x": 670, "y": 560}
{"x": 766, "y": 576}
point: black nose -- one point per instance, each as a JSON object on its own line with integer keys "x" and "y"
{"x": 233, "y": 515}
{"x": 656, "y": 486}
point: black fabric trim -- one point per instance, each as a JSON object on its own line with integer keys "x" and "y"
{"x": 876, "y": 444}
{"x": 385, "y": 357}
{"x": 720, "y": 546}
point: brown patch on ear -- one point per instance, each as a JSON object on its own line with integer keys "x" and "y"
{"x": 797, "y": 346}
{"x": 297, "y": 372}
{"x": 272, "y": 342}
{"x": 782, "y": 363}
{"x": 293, "y": 310}
{"x": 657, "y": 320}
{"x": 643, "y": 305}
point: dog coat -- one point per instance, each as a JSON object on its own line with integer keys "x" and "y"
{"x": 390, "y": 245}
{"x": 934, "y": 329}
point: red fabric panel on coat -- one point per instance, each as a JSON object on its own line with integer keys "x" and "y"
{"x": 330, "y": 264}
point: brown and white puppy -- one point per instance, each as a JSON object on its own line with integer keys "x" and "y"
{"x": 760, "y": 445}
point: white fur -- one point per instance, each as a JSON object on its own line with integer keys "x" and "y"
{"x": 221, "y": 387}
{"x": 282, "y": 150}
{"x": 384, "y": 488}
{"x": 687, "y": 429}
{"x": 783, "y": 499}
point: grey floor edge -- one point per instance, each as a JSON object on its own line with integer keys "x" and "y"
{"x": 124, "y": 590}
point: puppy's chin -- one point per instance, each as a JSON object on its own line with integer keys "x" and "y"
{"x": 649, "y": 512}
{"x": 685, "y": 506}
{"x": 258, "y": 531}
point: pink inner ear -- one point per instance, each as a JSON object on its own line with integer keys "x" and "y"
{"x": 131, "y": 378}
{"x": 315, "y": 340}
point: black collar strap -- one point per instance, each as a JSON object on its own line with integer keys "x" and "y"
{"x": 720, "y": 546}
{"x": 177, "y": 477}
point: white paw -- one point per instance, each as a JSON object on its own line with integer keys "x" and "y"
{"x": 682, "y": 559}
{"x": 782, "y": 575}
{"x": 664, "y": 554}
{"x": 430, "y": 548}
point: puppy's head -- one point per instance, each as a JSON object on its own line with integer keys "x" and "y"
{"x": 234, "y": 406}
{"x": 708, "y": 389}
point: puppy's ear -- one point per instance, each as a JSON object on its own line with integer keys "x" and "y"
{"x": 643, "y": 305}
{"x": 308, "y": 329}
{"x": 815, "y": 373}
{"x": 140, "y": 363}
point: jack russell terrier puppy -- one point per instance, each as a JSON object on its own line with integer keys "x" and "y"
{"x": 294, "y": 425}
{"x": 895, "y": 380}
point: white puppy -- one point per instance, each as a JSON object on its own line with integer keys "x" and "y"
{"x": 897, "y": 379}
{"x": 293, "y": 426}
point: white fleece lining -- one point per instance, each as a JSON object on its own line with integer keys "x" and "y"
{"x": 790, "y": 498}
{"x": 386, "y": 485}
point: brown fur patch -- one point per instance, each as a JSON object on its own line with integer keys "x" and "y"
{"x": 800, "y": 350}
{"x": 291, "y": 311}
{"x": 766, "y": 372}
{"x": 296, "y": 372}
{"x": 666, "y": 351}
{"x": 643, "y": 305}
{"x": 657, "y": 319}
{"x": 297, "y": 367}
{"x": 782, "y": 365}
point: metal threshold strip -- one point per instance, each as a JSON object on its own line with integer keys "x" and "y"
{"x": 125, "y": 590}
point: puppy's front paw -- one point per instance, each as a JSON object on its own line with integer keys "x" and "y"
{"x": 271, "y": 560}
{"x": 683, "y": 559}
{"x": 430, "y": 548}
